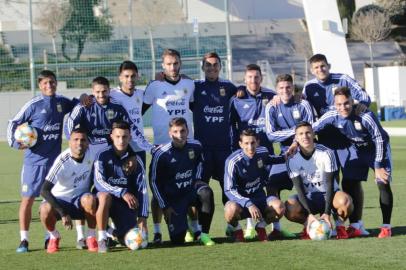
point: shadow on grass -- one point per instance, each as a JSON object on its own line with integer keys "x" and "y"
{"x": 15, "y": 220}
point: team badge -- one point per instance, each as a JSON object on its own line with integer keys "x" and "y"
{"x": 222, "y": 91}
{"x": 296, "y": 114}
{"x": 265, "y": 101}
{"x": 191, "y": 154}
{"x": 357, "y": 125}
{"x": 110, "y": 114}
{"x": 260, "y": 163}
{"x": 59, "y": 107}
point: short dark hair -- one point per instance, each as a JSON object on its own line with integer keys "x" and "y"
{"x": 127, "y": 65}
{"x": 178, "y": 121}
{"x": 120, "y": 124}
{"x": 318, "y": 58}
{"x": 45, "y": 74}
{"x": 79, "y": 130}
{"x": 284, "y": 78}
{"x": 253, "y": 67}
{"x": 210, "y": 55}
{"x": 171, "y": 52}
{"x": 303, "y": 124}
{"x": 101, "y": 80}
{"x": 248, "y": 133}
{"x": 343, "y": 91}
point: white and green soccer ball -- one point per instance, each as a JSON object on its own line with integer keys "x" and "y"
{"x": 319, "y": 230}
{"x": 26, "y": 135}
{"x": 135, "y": 239}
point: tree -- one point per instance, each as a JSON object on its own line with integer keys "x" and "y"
{"x": 396, "y": 10}
{"x": 346, "y": 9}
{"x": 54, "y": 16}
{"x": 84, "y": 24}
{"x": 371, "y": 24}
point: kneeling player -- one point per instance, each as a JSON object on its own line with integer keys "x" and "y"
{"x": 246, "y": 174}
{"x": 66, "y": 191}
{"x": 312, "y": 171}
{"x": 122, "y": 194}
{"x": 176, "y": 171}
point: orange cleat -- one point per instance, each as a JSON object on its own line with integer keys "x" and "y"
{"x": 385, "y": 232}
{"x": 53, "y": 245}
{"x": 91, "y": 243}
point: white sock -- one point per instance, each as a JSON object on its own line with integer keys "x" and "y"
{"x": 102, "y": 235}
{"x": 157, "y": 227}
{"x": 91, "y": 232}
{"x": 80, "y": 231}
{"x": 250, "y": 223}
{"x": 276, "y": 226}
{"x": 355, "y": 225}
{"x": 24, "y": 235}
{"x": 110, "y": 231}
{"x": 54, "y": 234}
{"x": 386, "y": 225}
{"x": 194, "y": 225}
{"x": 112, "y": 225}
{"x": 261, "y": 224}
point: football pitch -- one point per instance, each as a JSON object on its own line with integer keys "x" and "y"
{"x": 361, "y": 253}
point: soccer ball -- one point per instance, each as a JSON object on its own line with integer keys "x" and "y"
{"x": 26, "y": 135}
{"x": 319, "y": 230}
{"x": 135, "y": 239}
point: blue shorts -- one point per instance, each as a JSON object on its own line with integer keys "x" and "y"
{"x": 261, "y": 203}
{"x": 32, "y": 177}
{"x": 123, "y": 217}
{"x": 279, "y": 178}
{"x": 71, "y": 206}
{"x": 213, "y": 164}
{"x": 316, "y": 202}
{"x": 356, "y": 162}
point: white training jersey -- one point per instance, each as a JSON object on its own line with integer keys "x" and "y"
{"x": 313, "y": 170}
{"x": 133, "y": 105}
{"x": 169, "y": 101}
{"x": 71, "y": 178}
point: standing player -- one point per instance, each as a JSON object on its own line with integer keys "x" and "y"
{"x": 45, "y": 113}
{"x": 248, "y": 111}
{"x": 99, "y": 116}
{"x": 370, "y": 149}
{"x": 246, "y": 175}
{"x": 175, "y": 175}
{"x": 131, "y": 99}
{"x": 123, "y": 195}
{"x": 312, "y": 170}
{"x": 281, "y": 120}
{"x": 66, "y": 191}
{"x": 169, "y": 98}
{"x": 320, "y": 94}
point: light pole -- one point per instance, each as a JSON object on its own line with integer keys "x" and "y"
{"x": 130, "y": 39}
{"x": 228, "y": 42}
{"x": 30, "y": 49}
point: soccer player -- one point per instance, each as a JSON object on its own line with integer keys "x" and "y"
{"x": 281, "y": 120}
{"x": 319, "y": 92}
{"x": 312, "y": 170}
{"x": 169, "y": 98}
{"x": 248, "y": 111}
{"x": 246, "y": 175}
{"x": 99, "y": 116}
{"x": 122, "y": 195}
{"x": 45, "y": 113}
{"x": 370, "y": 149}
{"x": 175, "y": 175}
{"x": 66, "y": 191}
{"x": 131, "y": 98}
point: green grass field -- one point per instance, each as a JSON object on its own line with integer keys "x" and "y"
{"x": 366, "y": 253}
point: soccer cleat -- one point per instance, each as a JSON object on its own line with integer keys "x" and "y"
{"x": 280, "y": 234}
{"x": 46, "y": 243}
{"x": 238, "y": 236}
{"x": 53, "y": 245}
{"x": 364, "y": 232}
{"x": 385, "y": 232}
{"x": 261, "y": 233}
{"x": 157, "y": 238}
{"x": 189, "y": 237}
{"x": 81, "y": 244}
{"x": 304, "y": 235}
{"x": 287, "y": 234}
{"x": 102, "y": 246}
{"x": 23, "y": 247}
{"x": 206, "y": 240}
{"x": 91, "y": 243}
{"x": 341, "y": 232}
{"x": 250, "y": 234}
{"x": 229, "y": 231}
{"x": 353, "y": 232}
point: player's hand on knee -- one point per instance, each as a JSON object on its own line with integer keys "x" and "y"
{"x": 326, "y": 218}
{"x": 168, "y": 212}
{"x": 382, "y": 175}
{"x": 255, "y": 212}
{"x": 131, "y": 200}
{"x": 67, "y": 222}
